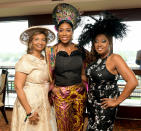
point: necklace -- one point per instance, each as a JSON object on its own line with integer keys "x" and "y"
{"x": 67, "y": 48}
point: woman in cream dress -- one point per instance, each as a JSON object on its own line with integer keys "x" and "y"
{"x": 32, "y": 110}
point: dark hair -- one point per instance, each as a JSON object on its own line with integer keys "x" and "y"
{"x": 31, "y": 38}
{"x": 64, "y": 21}
{"x": 107, "y": 24}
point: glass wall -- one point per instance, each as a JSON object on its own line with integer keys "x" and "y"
{"x": 10, "y": 51}
{"x": 129, "y": 46}
{"x": 11, "y": 48}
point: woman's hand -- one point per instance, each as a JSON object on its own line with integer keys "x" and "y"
{"x": 54, "y": 90}
{"x": 51, "y": 86}
{"x": 33, "y": 119}
{"x": 109, "y": 102}
{"x": 51, "y": 94}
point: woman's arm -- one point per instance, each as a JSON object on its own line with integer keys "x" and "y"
{"x": 19, "y": 84}
{"x": 84, "y": 78}
{"x": 128, "y": 75}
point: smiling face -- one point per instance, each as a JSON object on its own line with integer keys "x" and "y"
{"x": 65, "y": 33}
{"x": 102, "y": 45}
{"x": 38, "y": 42}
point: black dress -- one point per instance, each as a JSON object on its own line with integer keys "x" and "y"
{"x": 102, "y": 84}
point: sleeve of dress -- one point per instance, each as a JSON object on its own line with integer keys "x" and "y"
{"x": 24, "y": 65}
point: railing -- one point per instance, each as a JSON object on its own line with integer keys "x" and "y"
{"x": 11, "y": 75}
{"x": 11, "y": 94}
{"x": 137, "y": 91}
{"x": 10, "y": 91}
{"x": 134, "y": 99}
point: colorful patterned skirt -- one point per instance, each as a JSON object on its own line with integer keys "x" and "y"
{"x": 70, "y": 106}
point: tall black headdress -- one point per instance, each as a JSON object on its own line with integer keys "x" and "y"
{"x": 107, "y": 24}
{"x": 65, "y": 12}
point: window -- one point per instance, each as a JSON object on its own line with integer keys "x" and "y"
{"x": 129, "y": 46}
{"x": 10, "y": 52}
{"x": 11, "y": 48}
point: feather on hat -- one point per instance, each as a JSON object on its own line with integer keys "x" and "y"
{"x": 107, "y": 24}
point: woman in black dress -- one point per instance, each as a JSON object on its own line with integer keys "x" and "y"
{"x": 103, "y": 74}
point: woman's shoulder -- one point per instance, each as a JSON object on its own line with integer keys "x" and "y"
{"x": 54, "y": 47}
{"x": 49, "y": 47}
{"x": 75, "y": 45}
{"x": 25, "y": 64}
{"x": 26, "y": 58}
{"x": 116, "y": 58}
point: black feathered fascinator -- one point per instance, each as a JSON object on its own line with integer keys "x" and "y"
{"x": 107, "y": 24}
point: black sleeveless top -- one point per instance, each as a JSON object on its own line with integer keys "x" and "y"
{"x": 102, "y": 83}
{"x": 68, "y": 68}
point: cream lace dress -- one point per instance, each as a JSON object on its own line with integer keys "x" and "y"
{"x": 36, "y": 90}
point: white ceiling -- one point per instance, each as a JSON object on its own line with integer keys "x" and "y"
{"x": 33, "y": 7}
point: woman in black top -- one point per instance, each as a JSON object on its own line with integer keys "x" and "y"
{"x": 103, "y": 93}
{"x": 68, "y": 72}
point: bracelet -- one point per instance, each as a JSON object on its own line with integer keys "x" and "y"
{"x": 27, "y": 116}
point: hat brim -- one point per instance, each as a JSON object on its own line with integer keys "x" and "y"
{"x": 24, "y": 37}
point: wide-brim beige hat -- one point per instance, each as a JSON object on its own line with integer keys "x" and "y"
{"x": 24, "y": 37}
